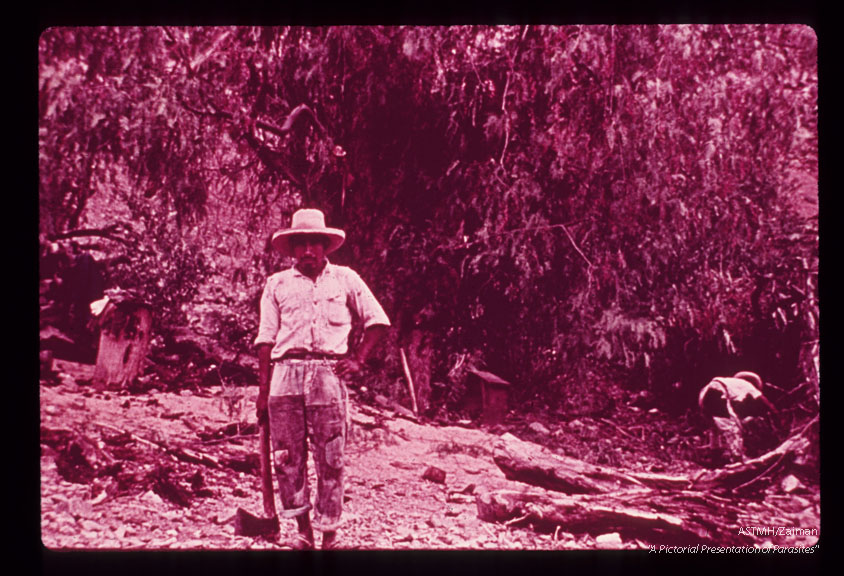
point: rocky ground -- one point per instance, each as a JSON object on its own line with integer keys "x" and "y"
{"x": 168, "y": 470}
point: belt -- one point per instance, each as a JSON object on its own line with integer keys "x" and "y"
{"x": 310, "y": 356}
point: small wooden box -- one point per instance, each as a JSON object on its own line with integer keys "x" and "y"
{"x": 494, "y": 393}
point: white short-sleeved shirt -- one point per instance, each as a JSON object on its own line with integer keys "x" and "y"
{"x": 736, "y": 389}
{"x": 315, "y": 315}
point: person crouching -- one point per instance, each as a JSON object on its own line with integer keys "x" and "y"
{"x": 733, "y": 403}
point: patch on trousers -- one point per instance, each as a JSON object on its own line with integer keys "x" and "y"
{"x": 280, "y": 457}
{"x": 334, "y": 452}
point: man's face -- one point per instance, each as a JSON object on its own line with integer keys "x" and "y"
{"x": 309, "y": 252}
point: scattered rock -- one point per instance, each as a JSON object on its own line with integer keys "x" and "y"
{"x": 383, "y": 401}
{"x": 404, "y": 537}
{"x": 539, "y": 428}
{"x": 90, "y": 526}
{"x": 434, "y": 474}
{"x": 365, "y": 420}
{"x": 99, "y": 498}
{"x": 790, "y": 484}
{"x": 458, "y": 498}
{"x": 401, "y": 410}
{"x": 609, "y": 541}
{"x": 151, "y": 497}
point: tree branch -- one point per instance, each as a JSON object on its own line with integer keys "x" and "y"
{"x": 269, "y": 156}
{"x": 517, "y": 230}
{"x": 262, "y": 124}
{"x": 272, "y": 158}
{"x": 294, "y": 115}
{"x": 574, "y": 244}
{"x": 107, "y": 232}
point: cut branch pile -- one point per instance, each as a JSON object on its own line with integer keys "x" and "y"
{"x": 599, "y": 500}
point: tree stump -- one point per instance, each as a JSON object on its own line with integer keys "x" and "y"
{"x": 125, "y": 333}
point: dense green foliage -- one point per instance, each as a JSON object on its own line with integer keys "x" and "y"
{"x": 554, "y": 202}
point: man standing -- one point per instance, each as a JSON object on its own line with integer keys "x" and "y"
{"x": 303, "y": 355}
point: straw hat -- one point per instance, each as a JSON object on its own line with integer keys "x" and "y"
{"x": 308, "y": 221}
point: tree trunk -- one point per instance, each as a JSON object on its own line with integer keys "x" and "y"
{"x": 124, "y": 341}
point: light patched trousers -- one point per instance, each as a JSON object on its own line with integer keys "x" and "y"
{"x": 308, "y": 403}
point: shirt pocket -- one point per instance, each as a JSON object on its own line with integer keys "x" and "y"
{"x": 336, "y": 311}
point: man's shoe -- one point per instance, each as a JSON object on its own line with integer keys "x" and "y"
{"x": 302, "y": 542}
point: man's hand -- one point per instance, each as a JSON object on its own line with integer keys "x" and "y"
{"x": 350, "y": 367}
{"x": 347, "y": 367}
{"x": 261, "y": 408}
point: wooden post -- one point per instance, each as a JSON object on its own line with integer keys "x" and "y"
{"x": 409, "y": 382}
{"x": 419, "y": 350}
{"x": 125, "y": 333}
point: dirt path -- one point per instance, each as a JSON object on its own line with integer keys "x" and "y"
{"x": 119, "y": 503}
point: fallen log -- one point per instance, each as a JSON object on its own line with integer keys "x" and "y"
{"x": 538, "y": 466}
{"x": 533, "y": 464}
{"x": 656, "y": 516}
{"x": 183, "y": 454}
{"x": 601, "y": 500}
